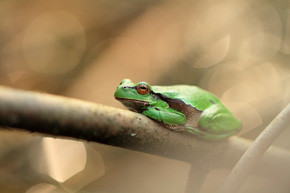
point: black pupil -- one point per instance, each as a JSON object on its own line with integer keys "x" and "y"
{"x": 143, "y": 87}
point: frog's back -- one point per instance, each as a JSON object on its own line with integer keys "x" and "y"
{"x": 191, "y": 95}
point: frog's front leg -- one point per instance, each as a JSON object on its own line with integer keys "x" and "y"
{"x": 168, "y": 116}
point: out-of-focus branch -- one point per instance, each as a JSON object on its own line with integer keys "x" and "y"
{"x": 253, "y": 155}
{"x": 64, "y": 117}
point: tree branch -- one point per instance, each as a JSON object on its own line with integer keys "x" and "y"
{"x": 64, "y": 117}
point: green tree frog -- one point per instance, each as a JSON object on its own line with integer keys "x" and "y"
{"x": 181, "y": 108}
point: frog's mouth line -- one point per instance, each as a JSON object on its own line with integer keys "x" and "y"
{"x": 133, "y": 104}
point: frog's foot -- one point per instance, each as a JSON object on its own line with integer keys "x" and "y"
{"x": 192, "y": 130}
{"x": 195, "y": 131}
{"x": 201, "y": 133}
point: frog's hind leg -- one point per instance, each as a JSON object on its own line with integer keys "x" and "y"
{"x": 219, "y": 122}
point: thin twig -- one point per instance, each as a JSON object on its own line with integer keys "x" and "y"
{"x": 253, "y": 155}
{"x": 64, "y": 117}
{"x": 196, "y": 177}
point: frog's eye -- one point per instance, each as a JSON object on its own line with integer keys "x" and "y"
{"x": 143, "y": 89}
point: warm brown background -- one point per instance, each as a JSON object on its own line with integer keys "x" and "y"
{"x": 239, "y": 50}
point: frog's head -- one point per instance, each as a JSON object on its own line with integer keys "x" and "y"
{"x": 136, "y": 97}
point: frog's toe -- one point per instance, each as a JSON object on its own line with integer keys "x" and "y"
{"x": 195, "y": 131}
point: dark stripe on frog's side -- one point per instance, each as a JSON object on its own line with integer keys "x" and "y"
{"x": 192, "y": 114}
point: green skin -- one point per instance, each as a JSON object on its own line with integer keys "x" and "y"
{"x": 181, "y": 108}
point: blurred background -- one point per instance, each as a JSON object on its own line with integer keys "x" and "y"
{"x": 238, "y": 50}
